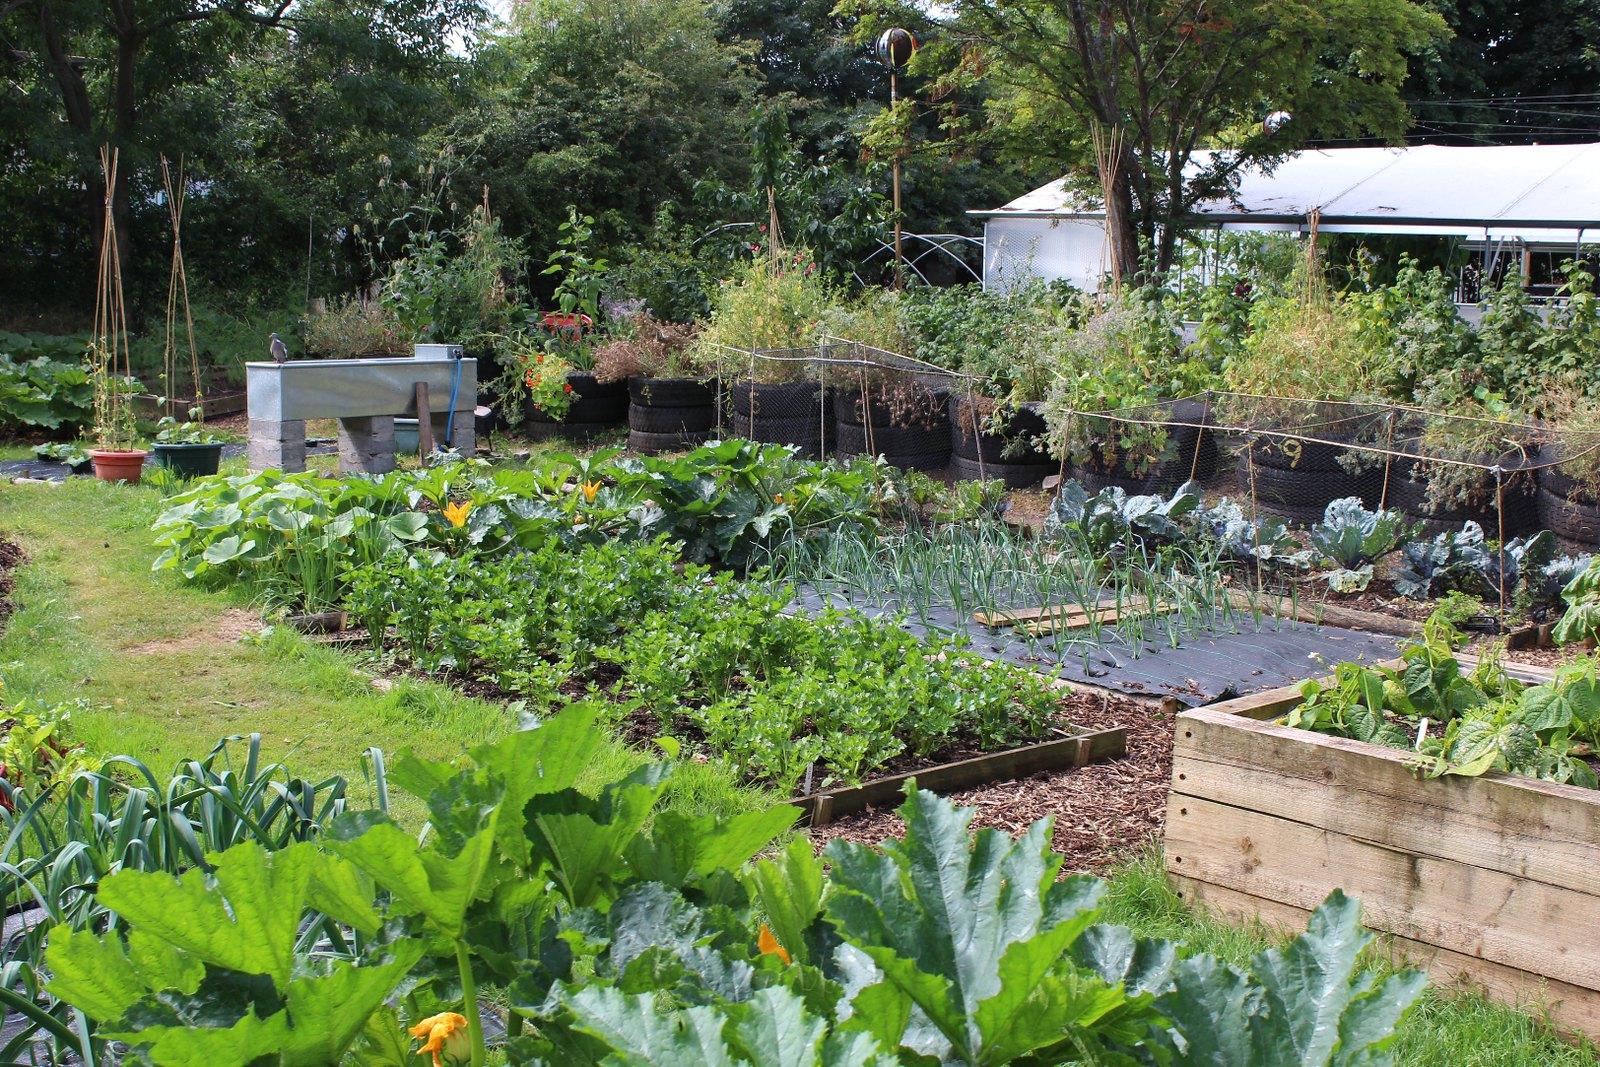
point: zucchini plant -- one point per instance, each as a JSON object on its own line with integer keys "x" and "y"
{"x": 626, "y": 934}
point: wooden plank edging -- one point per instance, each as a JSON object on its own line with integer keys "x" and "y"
{"x": 1076, "y": 750}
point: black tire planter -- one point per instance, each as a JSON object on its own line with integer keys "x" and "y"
{"x": 1190, "y": 453}
{"x": 1023, "y": 424}
{"x": 672, "y": 392}
{"x": 653, "y": 443}
{"x": 189, "y": 461}
{"x": 1296, "y": 480}
{"x": 1014, "y": 475}
{"x": 1408, "y": 494}
{"x": 1568, "y": 511}
{"x": 597, "y": 408}
{"x": 924, "y": 445}
{"x": 671, "y": 420}
{"x": 978, "y": 456}
{"x": 789, "y": 413}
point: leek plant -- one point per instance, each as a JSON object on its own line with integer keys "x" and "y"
{"x": 942, "y": 578}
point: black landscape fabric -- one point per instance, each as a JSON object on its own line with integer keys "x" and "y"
{"x": 1209, "y": 664}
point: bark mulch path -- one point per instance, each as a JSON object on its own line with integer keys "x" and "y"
{"x": 1103, "y": 812}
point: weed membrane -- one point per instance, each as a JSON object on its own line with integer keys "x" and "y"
{"x": 1216, "y": 660}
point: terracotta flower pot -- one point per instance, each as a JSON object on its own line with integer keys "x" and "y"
{"x": 118, "y": 466}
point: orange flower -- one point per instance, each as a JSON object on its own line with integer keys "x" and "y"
{"x": 445, "y": 1036}
{"x": 456, "y": 513}
{"x": 769, "y": 945}
{"x": 539, "y": 358}
{"x": 777, "y": 498}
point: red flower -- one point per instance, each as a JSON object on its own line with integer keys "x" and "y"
{"x": 567, "y": 388}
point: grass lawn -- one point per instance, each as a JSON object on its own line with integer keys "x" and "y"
{"x": 163, "y": 676}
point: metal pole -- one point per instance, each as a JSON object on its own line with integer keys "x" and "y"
{"x": 899, "y": 251}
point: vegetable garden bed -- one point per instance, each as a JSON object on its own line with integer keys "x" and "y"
{"x": 1489, "y": 879}
{"x": 1071, "y": 747}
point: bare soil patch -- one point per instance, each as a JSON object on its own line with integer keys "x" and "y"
{"x": 225, "y": 629}
{"x": 10, "y": 559}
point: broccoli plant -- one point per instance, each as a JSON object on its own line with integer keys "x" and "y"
{"x": 1353, "y": 539}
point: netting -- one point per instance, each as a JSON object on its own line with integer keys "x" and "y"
{"x": 1278, "y": 457}
{"x": 843, "y": 398}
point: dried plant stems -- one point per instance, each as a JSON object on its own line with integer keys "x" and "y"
{"x": 178, "y": 292}
{"x": 109, "y": 358}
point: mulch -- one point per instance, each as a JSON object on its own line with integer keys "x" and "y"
{"x": 1103, "y": 812}
{"x": 10, "y": 559}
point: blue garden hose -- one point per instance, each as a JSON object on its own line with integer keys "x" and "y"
{"x": 455, "y": 391}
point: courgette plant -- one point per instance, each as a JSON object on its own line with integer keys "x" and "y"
{"x": 628, "y": 934}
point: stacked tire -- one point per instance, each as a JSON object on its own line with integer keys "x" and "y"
{"x": 1296, "y": 478}
{"x": 597, "y": 409}
{"x": 870, "y": 429}
{"x": 1569, "y": 510}
{"x": 1010, "y": 454}
{"x": 1189, "y": 452}
{"x": 787, "y": 413}
{"x": 1408, "y": 494}
{"x": 670, "y": 414}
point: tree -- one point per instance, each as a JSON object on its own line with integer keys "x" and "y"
{"x": 1513, "y": 72}
{"x": 617, "y": 106}
{"x": 267, "y": 101}
{"x": 1153, "y": 81}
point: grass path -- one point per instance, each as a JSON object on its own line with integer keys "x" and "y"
{"x": 163, "y": 676}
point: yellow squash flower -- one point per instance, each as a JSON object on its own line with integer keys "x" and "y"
{"x": 456, "y": 512}
{"x": 445, "y": 1035}
{"x": 589, "y": 490}
{"x": 769, "y": 945}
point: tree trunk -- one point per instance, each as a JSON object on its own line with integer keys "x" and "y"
{"x": 123, "y": 116}
{"x": 1122, "y": 233}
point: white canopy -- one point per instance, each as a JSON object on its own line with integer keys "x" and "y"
{"x": 1545, "y": 194}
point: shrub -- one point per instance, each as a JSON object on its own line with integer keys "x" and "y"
{"x": 352, "y": 328}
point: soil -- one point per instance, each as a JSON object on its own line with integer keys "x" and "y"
{"x": 10, "y": 559}
{"x": 1029, "y": 507}
{"x": 1103, "y": 813}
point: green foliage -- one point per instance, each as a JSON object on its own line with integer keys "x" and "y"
{"x": 451, "y": 286}
{"x": 768, "y": 305}
{"x": 1462, "y": 722}
{"x": 775, "y": 694}
{"x": 1581, "y": 622}
{"x": 296, "y": 535}
{"x": 42, "y": 393}
{"x": 352, "y": 329}
{"x": 67, "y": 834}
{"x": 1353, "y": 539}
{"x": 628, "y": 935}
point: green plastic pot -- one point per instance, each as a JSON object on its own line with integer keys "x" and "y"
{"x": 189, "y": 461}
{"x": 407, "y": 437}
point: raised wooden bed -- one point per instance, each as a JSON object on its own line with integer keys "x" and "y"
{"x": 1492, "y": 880}
{"x": 1073, "y": 748}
